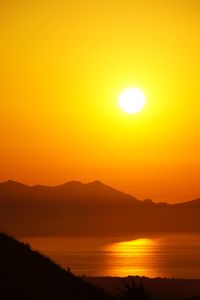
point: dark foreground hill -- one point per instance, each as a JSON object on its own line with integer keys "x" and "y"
{"x": 89, "y": 209}
{"x": 27, "y": 275}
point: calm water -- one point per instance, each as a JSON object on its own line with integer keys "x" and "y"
{"x": 161, "y": 256}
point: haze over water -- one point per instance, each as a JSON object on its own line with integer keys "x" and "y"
{"x": 166, "y": 255}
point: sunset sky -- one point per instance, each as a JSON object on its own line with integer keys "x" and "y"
{"x": 63, "y": 67}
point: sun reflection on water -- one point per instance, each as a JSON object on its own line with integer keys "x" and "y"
{"x": 156, "y": 256}
{"x": 135, "y": 257}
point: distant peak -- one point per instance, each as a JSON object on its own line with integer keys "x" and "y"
{"x": 96, "y": 182}
{"x": 12, "y": 183}
{"x": 99, "y": 184}
{"x": 72, "y": 183}
{"x": 77, "y": 183}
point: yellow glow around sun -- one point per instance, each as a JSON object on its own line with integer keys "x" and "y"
{"x": 132, "y": 100}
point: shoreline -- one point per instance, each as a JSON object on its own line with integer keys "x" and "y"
{"x": 160, "y": 288}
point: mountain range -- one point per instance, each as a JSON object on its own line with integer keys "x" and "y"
{"x": 75, "y": 208}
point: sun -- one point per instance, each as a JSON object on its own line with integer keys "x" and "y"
{"x": 132, "y": 100}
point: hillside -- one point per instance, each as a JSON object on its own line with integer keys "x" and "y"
{"x": 27, "y": 275}
{"x": 75, "y": 208}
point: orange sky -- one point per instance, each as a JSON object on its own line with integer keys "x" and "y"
{"x": 63, "y": 67}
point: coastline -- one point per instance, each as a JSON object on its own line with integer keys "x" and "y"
{"x": 160, "y": 288}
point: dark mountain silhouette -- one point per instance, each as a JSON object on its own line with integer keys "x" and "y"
{"x": 75, "y": 208}
{"x": 26, "y": 274}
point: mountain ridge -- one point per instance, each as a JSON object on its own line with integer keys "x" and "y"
{"x": 78, "y": 184}
{"x": 81, "y": 209}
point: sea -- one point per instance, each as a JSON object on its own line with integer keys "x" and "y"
{"x": 161, "y": 255}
